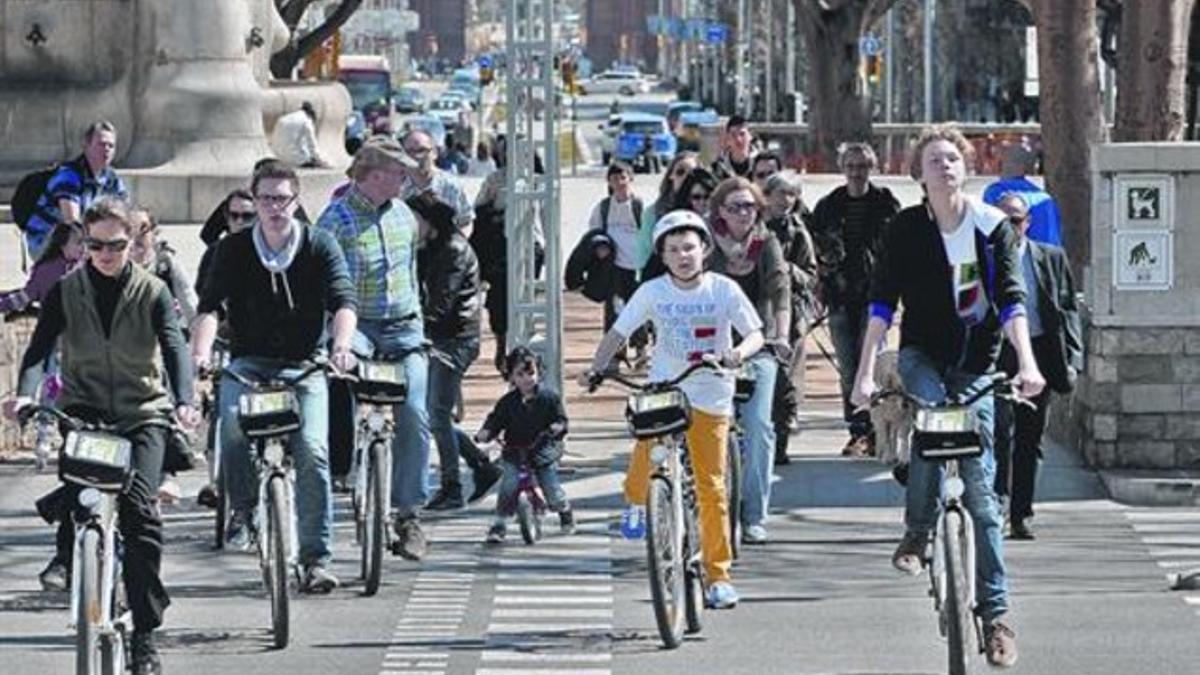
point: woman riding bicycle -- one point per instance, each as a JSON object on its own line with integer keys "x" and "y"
{"x": 110, "y": 371}
{"x": 747, "y": 252}
{"x": 952, "y": 262}
{"x": 694, "y": 314}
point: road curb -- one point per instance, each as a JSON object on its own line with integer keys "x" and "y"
{"x": 1152, "y": 488}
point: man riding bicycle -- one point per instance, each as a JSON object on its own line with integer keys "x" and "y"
{"x": 277, "y": 281}
{"x": 694, "y": 313}
{"x": 116, "y": 323}
{"x": 952, "y": 261}
{"x": 378, "y": 234}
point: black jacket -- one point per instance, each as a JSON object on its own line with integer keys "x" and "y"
{"x": 845, "y": 275}
{"x": 450, "y": 289}
{"x": 914, "y": 270}
{"x": 589, "y": 273}
{"x": 1059, "y": 350}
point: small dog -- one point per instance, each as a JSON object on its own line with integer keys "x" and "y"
{"x": 893, "y": 417}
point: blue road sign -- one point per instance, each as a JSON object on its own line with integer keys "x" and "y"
{"x": 869, "y": 45}
{"x": 485, "y": 61}
{"x": 717, "y": 33}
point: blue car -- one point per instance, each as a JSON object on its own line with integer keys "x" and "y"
{"x": 644, "y": 141}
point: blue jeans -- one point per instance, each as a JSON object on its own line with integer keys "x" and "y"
{"x": 308, "y": 447}
{"x": 758, "y": 441}
{"x": 445, "y": 384}
{"x": 547, "y": 478}
{"x": 847, "y": 327}
{"x": 410, "y": 443}
{"x": 927, "y": 380}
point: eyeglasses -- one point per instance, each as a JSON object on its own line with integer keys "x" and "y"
{"x": 278, "y": 201}
{"x": 764, "y": 174}
{"x": 111, "y": 245}
{"x": 740, "y": 208}
{"x": 243, "y": 216}
{"x": 859, "y": 166}
{"x": 698, "y": 197}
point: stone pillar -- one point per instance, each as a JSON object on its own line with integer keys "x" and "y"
{"x": 1138, "y": 400}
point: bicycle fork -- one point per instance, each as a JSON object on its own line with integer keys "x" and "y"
{"x": 273, "y": 459}
{"x": 953, "y": 489}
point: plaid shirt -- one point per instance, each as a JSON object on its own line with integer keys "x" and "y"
{"x": 380, "y": 245}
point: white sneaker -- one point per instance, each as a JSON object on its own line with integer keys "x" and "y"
{"x": 755, "y": 534}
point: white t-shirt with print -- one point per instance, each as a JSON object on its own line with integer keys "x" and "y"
{"x": 689, "y": 323}
{"x": 622, "y": 228}
{"x": 966, "y": 270}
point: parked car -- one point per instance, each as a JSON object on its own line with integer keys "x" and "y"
{"x": 644, "y": 141}
{"x": 430, "y": 125}
{"x": 409, "y": 100}
{"x": 687, "y": 131}
{"x": 615, "y": 82}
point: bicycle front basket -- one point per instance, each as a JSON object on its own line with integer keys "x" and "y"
{"x": 269, "y": 411}
{"x": 95, "y": 459}
{"x": 746, "y": 381}
{"x": 945, "y": 433}
{"x": 381, "y": 382}
{"x": 651, "y": 414}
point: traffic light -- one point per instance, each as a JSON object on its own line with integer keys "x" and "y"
{"x": 874, "y": 69}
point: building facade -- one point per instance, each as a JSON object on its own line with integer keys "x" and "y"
{"x": 617, "y": 33}
{"x": 442, "y": 34}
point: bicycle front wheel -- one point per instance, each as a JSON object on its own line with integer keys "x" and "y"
{"x": 87, "y": 604}
{"x": 665, "y": 563}
{"x": 277, "y": 558}
{"x": 693, "y": 574}
{"x": 733, "y": 491}
{"x": 374, "y": 517}
{"x": 526, "y": 518}
{"x": 960, "y": 621}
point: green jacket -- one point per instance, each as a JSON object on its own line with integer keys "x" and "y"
{"x": 119, "y": 375}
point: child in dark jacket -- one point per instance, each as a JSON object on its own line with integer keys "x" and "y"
{"x": 532, "y": 421}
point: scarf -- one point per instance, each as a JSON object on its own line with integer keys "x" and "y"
{"x": 277, "y": 262}
{"x": 740, "y": 254}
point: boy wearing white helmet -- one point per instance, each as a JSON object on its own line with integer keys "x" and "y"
{"x": 694, "y": 314}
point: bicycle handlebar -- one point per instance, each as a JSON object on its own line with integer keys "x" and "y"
{"x": 1001, "y": 385}
{"x": 309, "y": 369}
{"x": 599, "y": 378}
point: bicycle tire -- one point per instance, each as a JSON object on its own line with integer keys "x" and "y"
{"x": 277, "y": 558}
{"x": 693, "y": 578}
{"x": 375, "y": 518}
{"x": 87, "y": 604}
{"x": 665, "y": 564}
{"x": 525, "y": 518}
{"x": 960, "y": 622}
{"x": 733, "y": 492}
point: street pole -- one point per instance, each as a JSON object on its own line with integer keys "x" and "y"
{"x": 790, "y": 30}
{"x": 888, "y": 88}
{"x": 741, "y": 58}
{"x": 928, "y": 60}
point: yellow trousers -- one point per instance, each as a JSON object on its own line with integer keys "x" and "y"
{"x": 706, "y": 440}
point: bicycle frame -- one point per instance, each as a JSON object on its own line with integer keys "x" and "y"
{"x": 375, "y": 424}
{"x": 100, "y": 515}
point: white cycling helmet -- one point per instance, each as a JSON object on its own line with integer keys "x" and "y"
{"x": 680, "y": 219}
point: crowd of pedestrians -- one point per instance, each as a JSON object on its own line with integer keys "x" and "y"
{"x": 727, "y": 262}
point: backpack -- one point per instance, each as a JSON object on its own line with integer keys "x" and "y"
{"x": 29, "y": 192}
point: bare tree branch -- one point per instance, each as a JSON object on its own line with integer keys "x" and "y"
{"x": 284, "y": 61}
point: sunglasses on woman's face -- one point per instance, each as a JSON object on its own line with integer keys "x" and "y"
{"x": 699, "y": 197}
{"x": 741, "y": 208}
{"x": 112, "y": 245}
{"x": 242, "y": 216}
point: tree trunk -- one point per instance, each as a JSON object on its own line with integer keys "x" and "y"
{"x": 1151, "y": 66}
{"x": 1068, "y": 57}
{"x": 284, "y": 61}
{"x": 838, "y": 104}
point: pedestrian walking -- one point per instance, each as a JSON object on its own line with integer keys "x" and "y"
{"x": 848, "y": 226}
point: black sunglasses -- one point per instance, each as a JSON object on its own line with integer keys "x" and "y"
{"x": 242, "y": 215}
{"x": 112, "y": 245}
